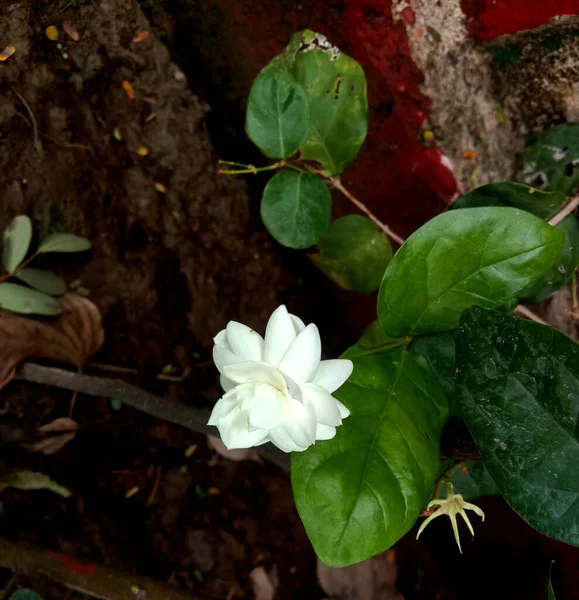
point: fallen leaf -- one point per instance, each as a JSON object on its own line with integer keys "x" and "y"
{"x": 128, "y": 89}
{"x": 262, "y": 584}
{"x": 52, "y": 33}
{"x": 7, "y": 52}
{"x": 470, "y": 154}
{"x": 216, "y": 444}
{"x": 134, "y": 490}
{"x": 71, "y": 32}
{"x": 73, "y": 337}
{"x": 141, "y": 36}
{"x": 142, "y": 151}
{"x": 50, "y": 445}
{"x": 160, "y": 188}
{"x": 29, "y": 480}
{"x": 60, "y": 424}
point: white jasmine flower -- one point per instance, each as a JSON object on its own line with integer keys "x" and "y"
{"x": 452, "y": 505}
{"x": 277, "y": 390}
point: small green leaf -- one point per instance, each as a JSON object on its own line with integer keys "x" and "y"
{"x": 335, "y": 86}
{"x": 549, "y": 591}
{"x": 354, "y": 254}
{"x": 374, "y": 336}
{"x": 561, "y": 273}
{"x": 20, "y": 299}
{"x": 518, "y": 384}
{"x": 360, "y": 492}
{"x": 116, "y": 403}
{"x": 17, "y": 238}
{"x": 25, "y": 595}
{"x": 476, "y": 484}
{"x": 552, "y": 162}
{"x": 43, "y": 281}
{"x": 64, "y": 242}
{"x": 296, "y": 208}
{"x": 277, "y": 113}
{"x": 468, "y": 257}
{"x": 29, "y": 480}
{"x": 540, "y": 203}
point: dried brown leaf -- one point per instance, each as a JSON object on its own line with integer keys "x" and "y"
{"x": 71, "y": 32}
{"x": 61, "y": 424}
{"x": 51, "y": 445}
{"x": 73, "y": 337}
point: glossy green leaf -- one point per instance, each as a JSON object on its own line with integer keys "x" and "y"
{"x": 277, "y": 117}
{"x": 552, "y": 161}
{"x": 462, "y": 258}
{"x": 476, "y": 483}
{"x": 43, "y": 281}
{"x": 374, "y": 336}
{"x": 16, "y": 242}
{"x": 538, "y": 202}
{"x": 561, "y": 273}
{"x": 518, "y": 384}
{"x": 354, "y": 254}
{"x": 360, "y": 492}
{"x": 296, "y": 208}
{"x": 439, "y": 350}
{"x": 26, "y": 595}
{"x": 20, "y": 299}
{"x": 63, "y": 242}
{"x": 335, "y": 86}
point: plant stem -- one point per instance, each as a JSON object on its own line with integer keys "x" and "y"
{"x": 335, "y": 181}
{"x": 529, "y": 314}
{"x": 566, "y": 210}
{"x": 445, "y": 477}
{"x": 248, "y": 169}
{"x": 18, "y": 268}
{"x": 574, "y": 305}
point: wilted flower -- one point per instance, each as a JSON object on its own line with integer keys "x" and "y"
{"x": 277, "y": 390}
{"x": 452, "y": 505}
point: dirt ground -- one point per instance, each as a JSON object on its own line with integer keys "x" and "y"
{"x": 178, "y": 251}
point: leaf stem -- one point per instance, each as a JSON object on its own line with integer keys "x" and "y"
{"x": 529, "y": 314}
{"x": 335, "y": 181}
{"x": 446, "y": 477}
{"x": 248, "y": 169}
{"x": 566, "y": 210}
{"x": 402, "y": 342}
{"x": 18, "y": 268}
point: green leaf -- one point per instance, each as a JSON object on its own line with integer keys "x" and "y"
{"x": 20, "y": 299}
{"x": 439, "y": 350}
{"x": 63, "y": 242}
{"x": 476, "y": 484}
{"x": 549, "y": 591}
{"x": 374, "y": 336}
{"x": 25, "y": 595}
{"x": 552, "y": 162}
{"x": 335, "y": 86}
{"x": 29, "y": 480}
{"x": 354, "y": 254}
{"x": 277, "y": 113}
{"x": 561, "y": 273}
{"x": 17, "y": 238}
{"x": 360, "y": 492}
{"x": 43, "y": 281}
{"x": 463, "y": 258}
{"x": 540, "y": 203}
{"x": 296, "y": 208}
{"x": 518, "y": 383}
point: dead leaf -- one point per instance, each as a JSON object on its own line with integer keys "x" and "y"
{"x": 73, "y": 337}
{"x": 71, "y": 32}
{"x": 29, "y": 480}
{"x": 216, "y": 444}
{"x": 52, "y": 444}
{"x": 263, "y": 585}
{"x": 52, "y": 33}
{"x": 60, "y": 424}
{"x": 7, "y": 52}
{"x": 141, "y": 36}
{"x": 129, "y": 91}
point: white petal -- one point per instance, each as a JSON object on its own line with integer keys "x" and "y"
{"x": 235, "y": 433}
{"x": 302, "y": 359}
{"x": 344, "y": 410}
{"x": 266, "y": 408}
{"x": 325, "y": 432}
{"x": 226, "y": 383}
{"x": 325, "y": 405}
{"x": 280, "y": 438}
{"x": 222, "y": 408}
{"x": 300, "y": 424}
{"x": 279, "y": 334}
{"x": 222, "y": 357}
{"x": 255, "y": 371}
{"x": 331, "y": 374}
{"x": 244, "y": 341}
{"x": 298, "y": 323}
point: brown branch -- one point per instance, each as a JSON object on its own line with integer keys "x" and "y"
{"x": 95, "y": 580}
{"x": 566, "y": 210}
{"x": 529, "y": 314}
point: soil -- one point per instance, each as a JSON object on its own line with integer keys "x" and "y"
{"x": 177, "y": 252}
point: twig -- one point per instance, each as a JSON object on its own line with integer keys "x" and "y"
{"x": 95, "y": 580}
{"x": 335, "y": 181}
{"x": 37, "y": 144}
{"x": 566, "y": 210}
{"x": 529, "y": 314}
{"x": 155, "y": 486}
{"x": 574, "y": 305}
{"x": 446, "y": 476}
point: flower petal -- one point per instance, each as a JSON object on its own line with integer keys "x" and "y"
{"x": 266, "y": 408}
{"x": 255, "y": 371}
{"x": 244, "y": 341}
{"x": 280, "y": 437}
{"x": 325, "y": 405}
{"x": 221, "y": 340}
{"x": 427, "y": 521}
{"x": 222, "y": 357}
{"x": 302, "y": 359}
{"x": 325, "y": 432}
{"x": 344, "y": 410}
{"x": 235, "y": 433}
{"x": 300, "y": 424}
{"x": 222, "y": 408}
{"x": 476, "y": 509}
{"x": 298, "y": 323}
{"x": 279, "y": 334}
{"x": 331, "y": 374}
{"x": 226, "y": 383}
